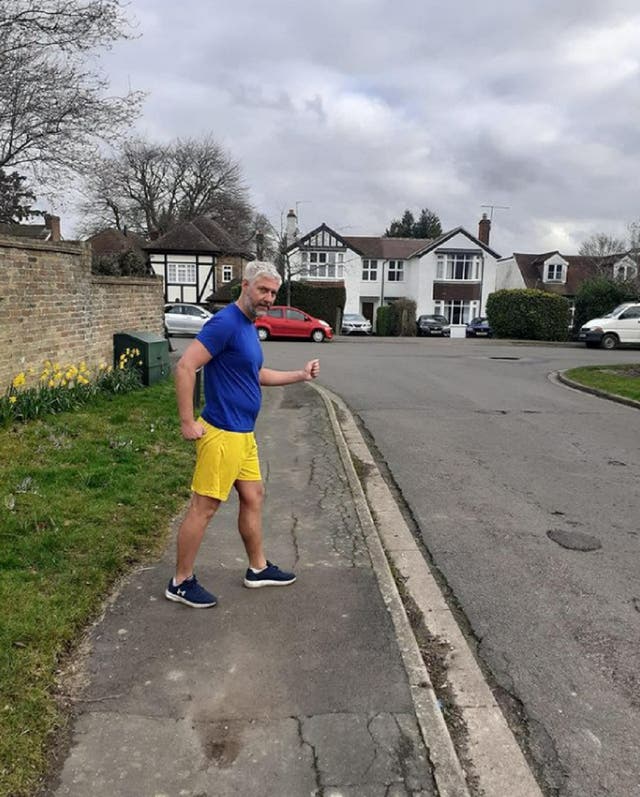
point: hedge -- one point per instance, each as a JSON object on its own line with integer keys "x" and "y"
{"x": 383, "y": 321}
{"x": 528, "y": 314}
{"x": 600, "y": 295}
{"x": 321, "y": 302}
{"x": 403, "y": 318}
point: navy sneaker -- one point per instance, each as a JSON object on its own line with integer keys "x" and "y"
{"x": 190, "y": 593}
{"x": 271, "y": 576}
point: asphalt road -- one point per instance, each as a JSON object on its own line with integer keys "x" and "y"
{"x": 509, "y": 477}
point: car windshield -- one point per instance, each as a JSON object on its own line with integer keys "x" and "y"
{"x": 354, "y": 317}
{"x": 615, "y": 311}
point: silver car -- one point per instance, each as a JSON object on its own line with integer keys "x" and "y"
{"x": 184, "y": 319}
{"x": 354, "y": 323}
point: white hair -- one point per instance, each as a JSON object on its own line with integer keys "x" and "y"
{"x": 261, "y": 268}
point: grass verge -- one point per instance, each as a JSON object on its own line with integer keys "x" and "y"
{"x": 83, "y": 496}
{"x": 622, "y": 380}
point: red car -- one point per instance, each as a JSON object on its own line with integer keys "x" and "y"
{"x": 289, "y": 322}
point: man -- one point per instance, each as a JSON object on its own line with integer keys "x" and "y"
{"x": 228, "y": 350}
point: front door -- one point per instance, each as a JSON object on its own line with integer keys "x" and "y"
{"x": 367, "y": 311}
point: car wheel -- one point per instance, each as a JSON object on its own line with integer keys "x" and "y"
{"x": 263, "y": 333}
{"x": 317, "y": 336}
{"x": 609, "y": 341}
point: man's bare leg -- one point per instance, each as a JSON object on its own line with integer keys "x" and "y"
{"x": 251, "y": 497}
{"x": 201, "y": 509}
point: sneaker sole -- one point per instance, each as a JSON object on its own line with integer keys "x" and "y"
{"x": 257, "y": 584}
{"x": 180, "y": 599}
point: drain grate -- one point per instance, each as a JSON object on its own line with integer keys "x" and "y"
{"x": 504, "y": 358}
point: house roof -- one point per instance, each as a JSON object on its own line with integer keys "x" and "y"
{"x": 112, "y": 241}
{"x": 579, "y": 269}
{"x": 201, "y": 234}
{"x": 383, "y": 248}
{"x": 386, "y": 248}
{"x": 39, "y": 231}
{"x": 436, "y": 242}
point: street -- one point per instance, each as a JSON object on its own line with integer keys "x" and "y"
{"x": 525, "y": 494}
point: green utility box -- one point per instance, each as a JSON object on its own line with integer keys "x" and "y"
{"x": 154, "y": 353}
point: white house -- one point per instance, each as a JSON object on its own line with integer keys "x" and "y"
{"x": 451, "y": 275}
{"x": 196, "y": 260}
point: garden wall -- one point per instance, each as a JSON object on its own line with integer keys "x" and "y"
{"x": 52, "y": 307}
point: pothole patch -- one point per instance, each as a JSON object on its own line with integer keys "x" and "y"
{"x": 574, "y": 540}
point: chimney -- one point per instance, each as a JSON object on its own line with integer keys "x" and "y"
{"x": 291, "y": 228}
{"x": 484, "y": 228}
{"x": 52, "y": 223}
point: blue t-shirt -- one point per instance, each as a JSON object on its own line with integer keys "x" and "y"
{"x": 231, "y": 378}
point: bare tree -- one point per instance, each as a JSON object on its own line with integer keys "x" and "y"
{"x": 53, "y": 103}
{"x": 150, "y": 188}
{"x": 599, "y": 250}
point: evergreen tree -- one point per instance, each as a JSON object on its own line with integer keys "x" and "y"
{"x": 15, "y": 198}
{"x": 427, "y": 226}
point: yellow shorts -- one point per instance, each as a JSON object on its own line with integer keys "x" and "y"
{"x": 222, "y": 458}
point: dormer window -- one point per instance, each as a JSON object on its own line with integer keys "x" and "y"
{"x": 554, "y": 272}
{"x": 625, "y": 272}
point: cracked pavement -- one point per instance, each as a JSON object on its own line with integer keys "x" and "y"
{"x": 289, "y": 692}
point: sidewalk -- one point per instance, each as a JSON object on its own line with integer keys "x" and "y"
{"x": 283, "y": 692}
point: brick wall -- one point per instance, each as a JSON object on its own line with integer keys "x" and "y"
{"x": 52, "y": 307}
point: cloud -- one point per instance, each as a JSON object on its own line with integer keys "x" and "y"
{"x": 363, "y": 108}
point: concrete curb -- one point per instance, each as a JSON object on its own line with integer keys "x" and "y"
{"x": 499, "y": 765}
{"x": 560, "y": 376}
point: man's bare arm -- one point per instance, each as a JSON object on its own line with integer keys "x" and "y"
{"x": 271, "y": 378}
{"x": 194, "y": 358}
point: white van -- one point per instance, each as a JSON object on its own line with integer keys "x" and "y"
{"x": 621, "y": 325}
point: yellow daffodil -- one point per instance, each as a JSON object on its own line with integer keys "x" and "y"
{"x": 52, "y": 383}
{"x": 12, "y": 399}
{"x": 19, "y": 380}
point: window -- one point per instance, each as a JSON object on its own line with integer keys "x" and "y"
{"x": 181, "y": 273}
{"x": 295, "y": 315}
{"x": 322, "y": 265}
{"x": 227, "y": 273}
{"x": 632, "y": 312}
{"x": 396, "y": 271}
{"x": 554, "y": 272}
{"x": 369, "y": 270}
{"x": 457, "y": 311}
{"x": 625, "y": 272}
{"x": 274, "y": 312}
{"x": 458, "y": 266}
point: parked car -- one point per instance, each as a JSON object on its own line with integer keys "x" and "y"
{"x": 479, "y": 326}
{"x": 290, "y": 322}
{"x": 181, "y": 318}
{"x": 354, "y": 324}
{"x": 621, "y": 325}
{"x": 433, "y": 325}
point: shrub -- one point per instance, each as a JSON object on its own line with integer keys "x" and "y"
{"x": 600, "y": 295}
{"x": 403, "y": 318}
{"x": 326, "y": 303}
{"x": 383, "y": 321}
{"x": 125, "y": 264}
{"x": 528, "y": 314}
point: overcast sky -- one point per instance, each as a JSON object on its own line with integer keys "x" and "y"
{"x": 355, "y": 110}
